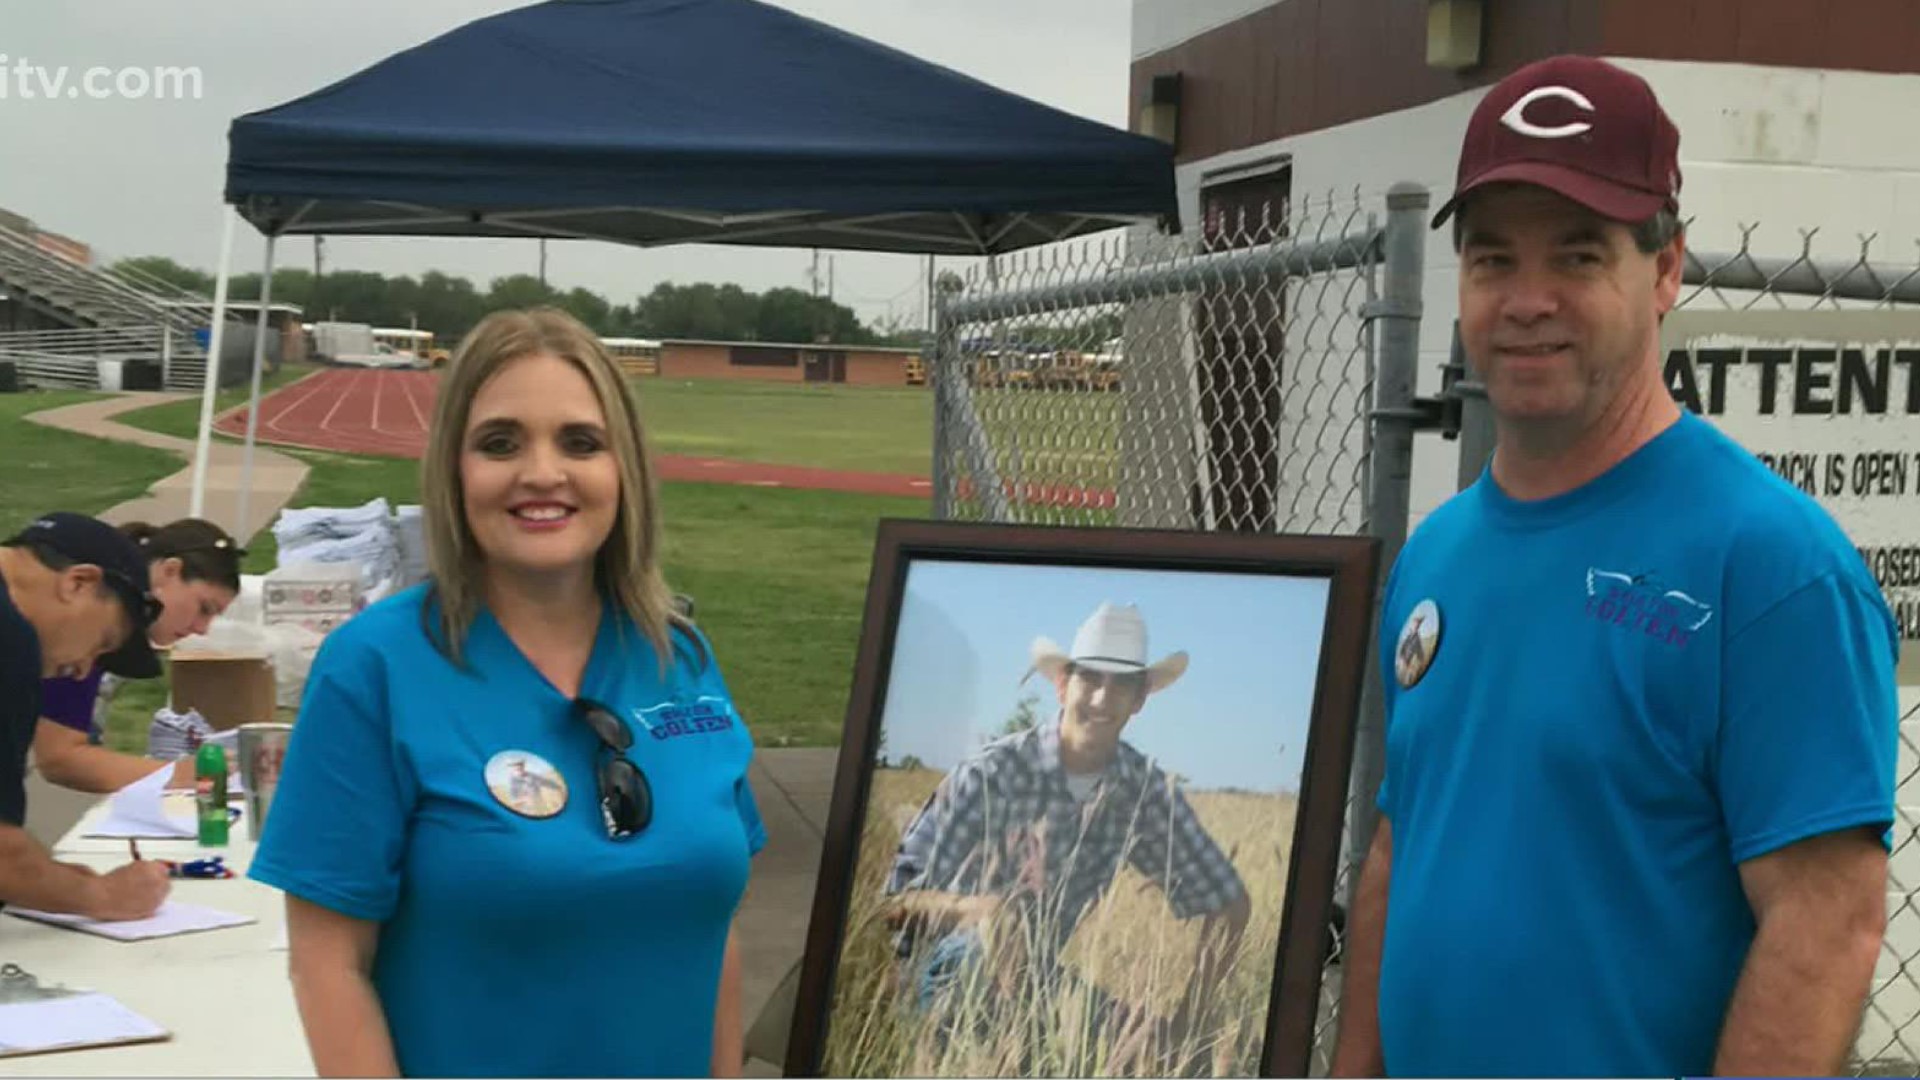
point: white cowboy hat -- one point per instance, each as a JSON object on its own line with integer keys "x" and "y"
{"x": 1114, "y": 638}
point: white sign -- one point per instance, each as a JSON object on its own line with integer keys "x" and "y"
{"x": 1830, "y": 400}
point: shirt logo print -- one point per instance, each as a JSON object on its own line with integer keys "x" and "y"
{"x": 1640, "y": 603}
{"x": 673, "y": 720}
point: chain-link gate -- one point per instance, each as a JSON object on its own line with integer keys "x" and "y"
{"x": 1784, "y": 308}
{"x": 1797, "y": 296}
{"x": 1255, "y": 377}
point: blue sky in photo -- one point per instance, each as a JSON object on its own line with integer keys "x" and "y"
{"x": 1237, "y": 718}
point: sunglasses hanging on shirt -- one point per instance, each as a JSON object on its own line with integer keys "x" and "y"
{"x": 626, "y": 799}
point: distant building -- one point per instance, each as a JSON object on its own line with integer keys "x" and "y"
{"x": 854, "y": 365}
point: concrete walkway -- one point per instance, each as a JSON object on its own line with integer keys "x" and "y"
{"x": 793, "y": 787}
{"x": 276, "y": 477}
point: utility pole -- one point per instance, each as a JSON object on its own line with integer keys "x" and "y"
{"x": 543, "y": 262}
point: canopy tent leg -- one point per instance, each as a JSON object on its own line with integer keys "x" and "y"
{"x": 253, "y": 407}
{"x": 203, "y": 444}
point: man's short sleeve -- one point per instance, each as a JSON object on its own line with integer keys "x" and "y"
{"x": 1810, "y": 722}
{"x": 338, "y": 831}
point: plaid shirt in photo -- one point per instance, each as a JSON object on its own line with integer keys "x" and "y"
{"x": 1004, "y": 822}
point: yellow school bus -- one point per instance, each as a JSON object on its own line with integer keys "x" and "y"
{"x": 419, "y": 343}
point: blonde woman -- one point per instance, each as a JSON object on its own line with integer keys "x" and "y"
{"x": 514, "y": 823}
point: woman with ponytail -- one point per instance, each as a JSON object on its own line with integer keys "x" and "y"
{"x": 194, "y": 571}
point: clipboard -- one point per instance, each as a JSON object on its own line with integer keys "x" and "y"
{"x": 36, "y": 1019}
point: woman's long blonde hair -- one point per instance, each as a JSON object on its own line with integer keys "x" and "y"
{"x": 627, "y": 569}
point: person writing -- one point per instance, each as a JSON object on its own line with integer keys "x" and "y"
{"x": 194, "y": 571}
{"x": 514, "y": 824}
{"x": 1639, "y": 782}
{"x": 72, "y": 589}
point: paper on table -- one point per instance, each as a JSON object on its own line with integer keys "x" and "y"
{"x": 61, "y": 1023}
{"x": 136, "y": 811}
{"x": 172, "y": 918}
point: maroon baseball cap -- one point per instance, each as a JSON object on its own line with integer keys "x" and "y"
{"x": 1582, "y": 127}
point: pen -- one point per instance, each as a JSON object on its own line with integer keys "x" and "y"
{"x": 134, "y": 847}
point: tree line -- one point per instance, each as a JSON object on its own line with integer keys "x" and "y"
{"x": 449, "y": 305}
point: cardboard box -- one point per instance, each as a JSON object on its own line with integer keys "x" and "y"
{"x": 229, "y": 689}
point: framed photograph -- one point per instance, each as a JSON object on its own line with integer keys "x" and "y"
{"x": 1089, "y": 804}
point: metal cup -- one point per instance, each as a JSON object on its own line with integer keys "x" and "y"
{"x": 262, "y": 749}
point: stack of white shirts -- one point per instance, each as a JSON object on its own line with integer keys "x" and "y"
{"x": 362, "y": 534}
{"x": 409, "y": 527}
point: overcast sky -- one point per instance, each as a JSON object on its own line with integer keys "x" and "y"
{"x": 144, "y": 177}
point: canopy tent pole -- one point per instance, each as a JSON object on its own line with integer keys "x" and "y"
{"x": 203, "y": 444}
{"x": 253, "y": 407}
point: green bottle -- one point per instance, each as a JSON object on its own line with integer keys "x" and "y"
{"x": 210, "y": 788}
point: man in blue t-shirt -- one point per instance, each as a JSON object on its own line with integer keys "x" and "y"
{"x": 72, "y": 589}
{"x": 1641, "y": 713}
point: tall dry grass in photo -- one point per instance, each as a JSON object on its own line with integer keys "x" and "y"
{"x": 1129, "y": 948}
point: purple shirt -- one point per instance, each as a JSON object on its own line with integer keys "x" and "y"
{"x": 69, "y": 702}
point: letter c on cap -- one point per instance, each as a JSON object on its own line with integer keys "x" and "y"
{"x": 1516, "y": 117}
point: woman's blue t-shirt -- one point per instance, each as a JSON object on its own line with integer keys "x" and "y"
{"x": 519, "y": 942}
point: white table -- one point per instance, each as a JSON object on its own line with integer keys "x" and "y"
{"x": 223, "y": 994}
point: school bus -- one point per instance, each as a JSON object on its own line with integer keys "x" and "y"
{"x": 419, "y": 343}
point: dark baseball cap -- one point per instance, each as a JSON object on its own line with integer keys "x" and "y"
{"x": 89, "y": 541}
{"x": 1585, "y": 128}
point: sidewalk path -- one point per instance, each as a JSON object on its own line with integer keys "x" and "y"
{"x": 276, "y": 477}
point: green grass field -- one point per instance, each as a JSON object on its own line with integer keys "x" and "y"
{"x": 779, "y": 576}
{"x": 46, "y": 469}
{"x": 871, "y": 429}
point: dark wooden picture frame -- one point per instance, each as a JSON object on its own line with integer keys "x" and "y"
{"x": 1348, "y": 564}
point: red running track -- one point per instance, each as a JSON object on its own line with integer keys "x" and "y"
{"x": 385, "y": 412}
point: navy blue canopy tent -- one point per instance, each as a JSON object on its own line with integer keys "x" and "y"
{"x": 670, "y": 121}
{"x": 652, "y": 122}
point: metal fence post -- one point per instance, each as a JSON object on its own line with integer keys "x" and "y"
{"x": 1397, "y": 317}
{"x": 1476, "y": 416}
{"x": 946, "y": 357}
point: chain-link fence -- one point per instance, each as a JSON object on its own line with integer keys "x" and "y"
{"x": 1192, "y": 382}
{"x": 1808, "y": 354}
{"x": 1809, "y": 359}
{"x": 1257, "y": 375}
{"x": 1253, "y": 376}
